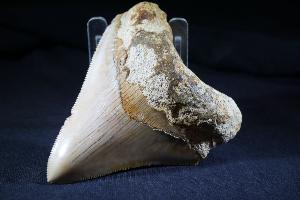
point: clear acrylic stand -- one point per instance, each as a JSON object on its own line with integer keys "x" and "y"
{"x": 180, "y": 29}
{"x": 95, "y": 28}
{"x": 97, "y": 25}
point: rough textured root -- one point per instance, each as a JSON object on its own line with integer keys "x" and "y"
{"x": 186, "y": 107}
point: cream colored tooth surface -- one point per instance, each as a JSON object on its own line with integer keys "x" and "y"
{"x": 139, "y": 105}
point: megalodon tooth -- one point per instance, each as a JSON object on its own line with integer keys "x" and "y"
{"x": 140, "y": 105}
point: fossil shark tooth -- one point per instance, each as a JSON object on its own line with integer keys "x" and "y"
{"x": 139, "y": 105}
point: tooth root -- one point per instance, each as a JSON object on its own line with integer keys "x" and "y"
{"x": 151, "y": 70}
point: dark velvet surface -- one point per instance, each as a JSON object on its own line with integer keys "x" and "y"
{"x": 254, "y": 61}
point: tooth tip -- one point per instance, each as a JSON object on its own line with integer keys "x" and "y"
{"x": 53, "y": 176}
{"x": 57, "y": 170}
{"x": 50, "y": 179}
{"x": 58, "y": 177}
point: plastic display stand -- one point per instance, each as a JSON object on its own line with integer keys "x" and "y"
{"x": 97, "y": 25}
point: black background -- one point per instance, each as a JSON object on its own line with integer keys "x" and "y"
{"x": 248, "y": 50}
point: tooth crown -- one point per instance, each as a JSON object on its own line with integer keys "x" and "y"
{"x": 139, "y": 105}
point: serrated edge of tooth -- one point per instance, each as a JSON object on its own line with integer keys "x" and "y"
{"x": 74, "y": 105}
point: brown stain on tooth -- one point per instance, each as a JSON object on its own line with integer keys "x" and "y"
{"x": 143, "y": 14}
